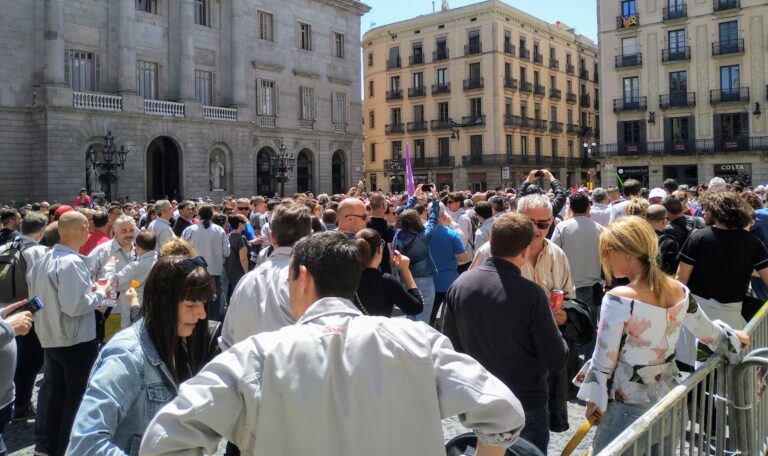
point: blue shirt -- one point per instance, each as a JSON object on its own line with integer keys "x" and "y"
{"x": 760, "y": 228}
{"x": 444, "y": 246}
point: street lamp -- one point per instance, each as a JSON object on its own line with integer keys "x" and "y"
{"x": 393, "y": 168}
{"x": 283, "y": 163}
{"x": 109, "y": 166}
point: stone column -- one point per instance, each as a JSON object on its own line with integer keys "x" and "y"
{"x": 187, "y": 67}
{"x": 238, "y": 53}
{"x": 127, "y": 48}
{"x": 54, "y": 43}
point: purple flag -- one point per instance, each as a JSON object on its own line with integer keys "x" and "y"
{"x": 409, "y": 171}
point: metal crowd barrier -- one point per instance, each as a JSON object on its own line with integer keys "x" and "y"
{"x": 719, "y": 409}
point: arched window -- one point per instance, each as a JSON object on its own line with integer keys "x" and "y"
{"x": 265, "y": 178}
{"x": 304, "y": 171}
{"x": 338, "y": 172}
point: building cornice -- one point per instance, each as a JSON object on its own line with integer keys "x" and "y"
{"x": 349, "y": 5}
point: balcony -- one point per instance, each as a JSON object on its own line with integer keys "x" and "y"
{"x": 677, "y": 100}
{"x": 441, "y": 88}
{"x": 267, "y": 121}
{"x": 306, "y": 124}
{"x": 584, "y": 74}
{"x": 416, "y": 59}
{"x": 513, "y": 121}
{"x": 678, "y": 54}
{"x": 539, "y": 124}
{"x": 554, "y": 64}
{"x": 394, "y": 94}
{"x": 473, "y": 48}
{"x": 627, "y": 22}
{"x": 97, "y": 101}
{"x": 434, "y": 162}
{"x": 733, "y": 95}
{"x": 538, "y": 58}
{"x": 400, "y": 166}
{"x": 526, "y": 87}
{"x": 392, "y": 129}
{"x": 569, "y": 68}
{"x": 725, "y": 47}
{"x": 417, "y": 126}
{"x": 555, "y": 127}
{"x": 163, "y": 108}
{"x": 690, "y": 147}
{"x": 675, "y": 12}
{"x": 539, "y": 90}
{"x": 474, "y": 83}
{"x": 527, "y": 122}
{"x": 630, "y": 104}
{"x": 509, "y": 48}
{"x": 525, "y": 54}
{"x": 440, "y": 125}
{"x": 393, "y": 63}
{"x": 473, "y": 121}
{"x": 510, "y": 83}
{"x": 340, "y": 128}
{"x": 508, "y": 159}
{"x": 220, "y": 113}
{"x": 725, "y": 5}
{"x": 555, "y": 94}
{"x": 585, "y": 101}
{"x": 629, "y": 60}
{"x": 570, "y": 97}
{"x": 415, "y": 92}
{"x": 441, "y": 54}
{"x": 572, "y": 129}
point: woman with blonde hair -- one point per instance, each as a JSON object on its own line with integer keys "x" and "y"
{"x": 633, "y": 365}
{"x": 638, "y": 207}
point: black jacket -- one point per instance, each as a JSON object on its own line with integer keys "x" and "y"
{"x": 504, "y": 321}
{"x": 668, "y": 250}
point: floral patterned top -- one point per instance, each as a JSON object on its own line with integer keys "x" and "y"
{"x": 634, "y": 360}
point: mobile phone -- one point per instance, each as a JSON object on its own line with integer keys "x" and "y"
{"x": 33, "y": 304}
{"x": 539, "y": 174}
{"x": 426, "y": 187}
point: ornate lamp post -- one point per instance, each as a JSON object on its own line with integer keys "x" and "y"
{"x": 112, "y": 160}
{"x": 283, "y": 164}
{"x": 590, "y": 147}
{"x": 393, "y": 168}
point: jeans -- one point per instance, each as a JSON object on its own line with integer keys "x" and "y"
{"x": 593, "y": 296}
{"x": 427, "y": 287}
{"x": 439, "y": 298}
{"x": 29, "y": 360}
{"x": 67, "y": 370}
{"x": 6, "y": 413}
{"x": 621, "y": 416}
{"x": 536, "y": 429}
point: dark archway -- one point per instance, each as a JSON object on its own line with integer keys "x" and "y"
{"x": 304, "y": 181}
{"x": 265, "y": 178}
{"x": 163, "y": 169}
{"x": 338, "y": 172}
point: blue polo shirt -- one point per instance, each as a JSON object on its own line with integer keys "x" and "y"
{"x": 444, "y": 245}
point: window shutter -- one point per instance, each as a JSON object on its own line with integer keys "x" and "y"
{"x": 744, "y": 133}
{"x": 668, "y": 134}
{"x": 277, "y": 98}
{"x": 334, "y": 109}
{"x": 691, "y": 133}
{"x": 67, "y": 57}
{"x": 718, "y": 133}
{"x": 620, "y": 137}
{"x": 97, "y": 83}
{"x": 643, "y": 135}
{"x": 259, "y": 97}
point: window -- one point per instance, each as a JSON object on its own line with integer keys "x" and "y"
{"x": 570, "y": 116}
{"x": 570, "y": 86}
{"x": 628, "y": 8}
{"x": 396, "y": 116}
{"x": 632, "y": 132}
{"x": 524, "y": 145}
{"x": 418, "y": 149}
{"x": 147, "y": 80}
{"x": 82, "y": 71}
{"x": 476, "y": 145}
{"x": 397, "y": 149}
{"x": 147, "y": 6}
{"x": 507, "y": 106}
{"x": 509, "y": 145}
{"x": 507, "y": 42}
{"x": 678, "y": 83}
{"x": 507, "y": 71}
{"x": 473, "y": 37}
{"x": 338, "y": 45}
{"x": 629, "y": 45}
{"x": 476, "y": 107}
{"x": 443, "y": 150}
{"x": 537, "y": 146}
{"x": 553, "y": 82}
{"x": 372, "y": 148}
{"x": 584, "y": 122}
{"x": 308, "y": 103}
{"x": 418, "y": 54}
{"x": 536, "y": 111}
{"x": 570, "y": 148}
{"x": 305, "y": 36}
{"x": 523, "y": 75}
{"x": 204, "y": 87}
{"x": 729, "y": 35}
{"x": 553, "y": 113}
{"x": 523, "y": 109}
{"x": 679, "y": 129}
{"x": 442, "y": 77}
{"x": 732, "y": 125}
{"x": 474, "y": 73}
{"x": 442, "y": 49}
{"x": 370, "y": 59}
{"x": 394, "y": 84}
{"x": 676, "y": 39}
{"x": 394, "y": 57}
{"x": 371, "y": 120}
{"x": 418, "y": 113}
{"x": 339, "y": 106}
{"x": 536, "y": 78}
{"x": 370, "y": 88}
{"x": 372, "y": 180}
{"x": 266, "y": 97}
{"x": 418, "y": 80}
{"x": 632, "y": 90}
{"x": 729, "y": 79}
{"x": 554, "y": 148}
{"x": 201, "y": 13}
{"x": 442, "y": 111}
{"x": 568, "y": 59}
{"x": 266, "y": 26}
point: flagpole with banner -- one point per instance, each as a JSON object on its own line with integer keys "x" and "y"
{"x": 409, "y": 171}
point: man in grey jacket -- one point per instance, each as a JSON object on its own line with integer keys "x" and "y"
{"x": 65, "y": 326}
{"x": 337, "y": 382}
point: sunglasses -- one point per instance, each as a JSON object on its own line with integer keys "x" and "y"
{"x": 362, "y": 217}
{"x": 196, "y": 261}
{"x": 541, "y": 225}
{"x": 242, "y": 208}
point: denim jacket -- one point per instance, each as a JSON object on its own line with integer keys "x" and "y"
{"x": 417, "y": 249}
{"x": 128, "y": 385}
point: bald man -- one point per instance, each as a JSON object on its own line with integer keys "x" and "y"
{"x": 65, "y": 326}
{"x": 351, "y": 216}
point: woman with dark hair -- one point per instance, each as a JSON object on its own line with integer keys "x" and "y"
{"x": 211, "y": 243}
{"x": 148, "y": 218}
{"x": 236, "y": 263}
{"x": 412, "y": 239}
{"x": 378, "y": 291}
{"x": 140, "y": 369}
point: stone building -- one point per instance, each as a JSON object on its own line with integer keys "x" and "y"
{"x": 684, "y": 87}
{"x": 481, "y": 94}
{"x": 203, "y": 93}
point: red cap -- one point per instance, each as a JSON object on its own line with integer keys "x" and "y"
{"x": 62, "y": 209}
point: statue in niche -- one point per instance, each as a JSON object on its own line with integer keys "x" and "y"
{"x": 218, "y": 171}
{"x": 93, "y": 180}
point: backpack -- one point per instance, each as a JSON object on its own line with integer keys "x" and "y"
{"x": 475, "y": 220}
{"x": 13, "y": 273}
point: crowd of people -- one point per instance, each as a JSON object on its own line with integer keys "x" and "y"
{"x": 273, "y": 323}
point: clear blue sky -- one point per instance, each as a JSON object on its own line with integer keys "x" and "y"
{"x": 580, "y": 14}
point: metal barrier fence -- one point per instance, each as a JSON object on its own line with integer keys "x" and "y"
{"x": 693, "y": 419}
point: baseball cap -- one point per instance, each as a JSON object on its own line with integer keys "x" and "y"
{"x": 63, "y": 209}
{"x": 657, "y": 193}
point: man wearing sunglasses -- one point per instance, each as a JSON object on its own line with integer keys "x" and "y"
{"x": 351, "y": 216}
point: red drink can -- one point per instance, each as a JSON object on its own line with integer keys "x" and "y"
{"x": 556, "y": 299}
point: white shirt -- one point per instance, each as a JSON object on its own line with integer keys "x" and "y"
{"x": 211, "y": 243}
{"x": 163, "y": 232}
{"x": 600, "y": 213}
{"x": 260, "y": 302}
{"x": 483, "y": 234}
{"x": 464, "y": 224}
{"x": 336, "y": 383}
{"x": 31, "y": 251}
{"x": 137, "y": 270}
